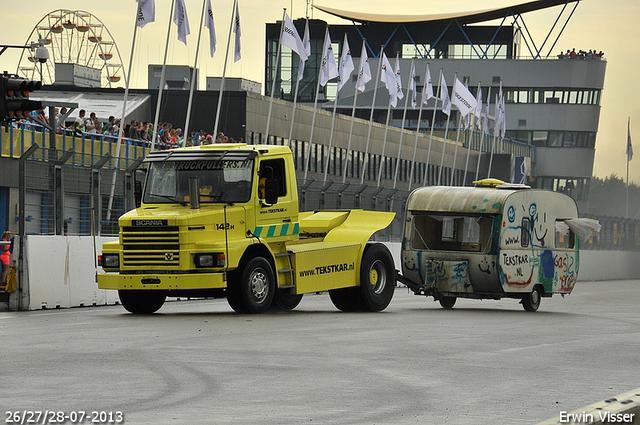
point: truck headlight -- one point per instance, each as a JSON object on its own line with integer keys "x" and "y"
{"x": 110, "y": 260}
{"x": 210, "y": 260}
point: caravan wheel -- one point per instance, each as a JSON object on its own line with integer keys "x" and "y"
{"x": 531, "y": 301}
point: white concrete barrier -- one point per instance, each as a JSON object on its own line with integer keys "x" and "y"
{"x": 60, "y": 270}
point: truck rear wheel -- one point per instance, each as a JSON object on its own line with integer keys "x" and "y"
{"x": 346, "y": 299}
{"x": 285, "y": 300}
{"x": 531, "y": 302}
{"x": 377, "y": 277}
{"x": 141, "y": 302}
{"x": 255, "y": 288}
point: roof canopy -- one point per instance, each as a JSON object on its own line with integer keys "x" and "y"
{"x": 462, "y": 17}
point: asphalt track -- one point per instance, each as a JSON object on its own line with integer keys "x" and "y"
{"x": 484, "y": 362}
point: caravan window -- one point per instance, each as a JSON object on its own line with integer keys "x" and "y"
{"x": 452, "y": 233}
{"x": 525, "y": 232}
{"x": 564, "y": 236}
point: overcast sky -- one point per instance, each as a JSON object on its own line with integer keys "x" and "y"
{"x": 596, "y": 24}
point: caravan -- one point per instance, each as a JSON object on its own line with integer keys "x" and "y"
{"x": 490, "y": 242}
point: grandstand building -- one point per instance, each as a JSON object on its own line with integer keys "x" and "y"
{"x": 552, "y": 103}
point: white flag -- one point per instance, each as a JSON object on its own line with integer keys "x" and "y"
{"x": 212, "y": 29}
{"x": 399, "y": 94}
{"x": 306, "y": 42}
{"x": 181, "y": 20}
{"x": 388, "y": 77}
{"x": 427, "y": 93}
{"x": 414, "y": 99}
{"x": 329, "y": 69}
{"x": 463, "y": 99}
{"x": 446, "y": 100}
{"x": 346, "y": 64}
{"x": 291, "y": 38}
{"x": 146, "y": 12}
{"x": 236, "y": 29}
{"x": 365, "y": 70}
{"x": 478, "y": 110}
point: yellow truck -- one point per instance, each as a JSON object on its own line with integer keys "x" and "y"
{"x": 223, "y": 221}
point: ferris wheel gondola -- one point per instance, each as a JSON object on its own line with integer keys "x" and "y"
{"x": 73, "y": 37}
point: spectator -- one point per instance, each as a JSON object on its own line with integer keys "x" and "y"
{"x": 79, "y": 123}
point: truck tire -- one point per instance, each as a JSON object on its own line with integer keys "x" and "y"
{"x": 346, "y": 299}
{"x": 254, "y": 289}
{"x": 285, "y": 300}
{"x": 531, "y": 302}
{"x": 377, "y": 277}
{"x": 141, "y": 302}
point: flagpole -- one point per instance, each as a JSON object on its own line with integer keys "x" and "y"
{"x": 628, "y": 160}
{"x": 194, "y": 73}
{"x": 275, "y": 77}
{"x": 224, "y": 71}
{"x": 386, "y": 132}
{"x": 124, "y": 112}
{"x": 455, "y": 150}
{"x": 404, "y": 115}
{"x": 373, "y": 104}
{"x": 295, "y": 95}
{"x": 484, "y": 130}
{"x": 156, "y": 133}
{"x": 466, "y": 165}
{"x": 333, "y": 121}
{"x": 433, "y": 120}
{"x": 315, "y": 104}
{"x": 353, "y": 110}
{"x": 415, "y": 145}
{"x": 446, "y": 135}
{"x": 496, "y": 130}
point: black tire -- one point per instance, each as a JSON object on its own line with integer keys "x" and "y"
{"x": 346, "y": 299}
{"x": 377, "y": 277}
{"x": 141, "y": 302}
{"x": 531, "y": 302}
{"x": 254, "y": 290}
{"x": 447, "y": 302}
{"x": 285, "y": 300}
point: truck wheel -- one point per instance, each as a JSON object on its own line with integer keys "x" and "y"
{"x": 141, "y": 302}
{"x": 285, "y": 300}
{"x": 447, "y": 302}
{"x": 254, "y": 291}
{"x": 377, "y": 277}
{"x": 531, "y": 302}
{"x": 346, "y": 299}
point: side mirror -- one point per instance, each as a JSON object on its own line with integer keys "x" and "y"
{"x": 271, "y": 191}
{"x": 137, "y": 193}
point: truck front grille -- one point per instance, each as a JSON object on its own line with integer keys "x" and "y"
{"x": 150, "y": 246}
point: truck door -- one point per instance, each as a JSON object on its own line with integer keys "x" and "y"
{"x": 280, "y": 219}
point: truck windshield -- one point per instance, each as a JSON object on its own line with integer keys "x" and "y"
{"x": 221, "y": 181}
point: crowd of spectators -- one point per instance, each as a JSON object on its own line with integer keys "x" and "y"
{"x": 581, "y": 54}
{"x": 136, "y": 132}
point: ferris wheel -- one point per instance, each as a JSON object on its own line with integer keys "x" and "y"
{"x": 73, "y": 37}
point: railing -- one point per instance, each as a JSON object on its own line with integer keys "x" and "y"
{"x": 89, "y": 147}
